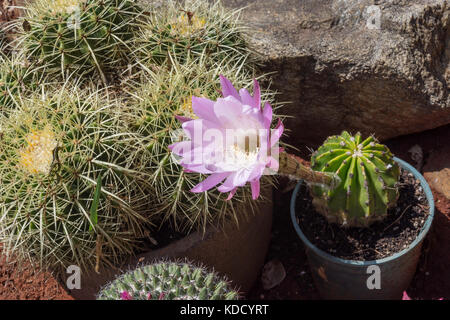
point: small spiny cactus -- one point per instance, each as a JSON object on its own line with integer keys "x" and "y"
{"x": 71, "y": 191}
{"x": 169, "y": 281}
{"x": 79, "y": 36}
{"x": 190, "y": 30}
{"x": 368, "y": 174}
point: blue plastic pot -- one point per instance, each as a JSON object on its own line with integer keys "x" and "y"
{"x": 337, "y": 278}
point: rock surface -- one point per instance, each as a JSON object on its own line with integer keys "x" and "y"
{"x": 437, "y": 171}
{"x": 273, "y": 274}
{"x": 9, "y": 10}
{"x": 379, "y": 67}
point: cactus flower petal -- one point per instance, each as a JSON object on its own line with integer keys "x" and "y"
{"x": 228, "y": 110}
{"x": 228, "y": 89}
{"x": 210, "y": 182}
{"x": 204, "y": 108}
{"x": 255, "y": 189}
{"x": 267, "y": 114}
{"x": 247, "y": 99}
{"x": 277, "y": 133}
{"x": 256, "y": 95}
{"x": 273, "y": 164}
{"x": 190, "y": 127}
{"x": 125, "y": 295}
{"x": 228, "y": 185}
{"x": 232, "y": 192}
{"x": 183, "y": 119}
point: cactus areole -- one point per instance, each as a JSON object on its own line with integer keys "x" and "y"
{"x": 368, "y": 174}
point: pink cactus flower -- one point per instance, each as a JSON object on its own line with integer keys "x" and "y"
{"x": 405, "y": 296}
{"x": 231, "y": 140}
{"x": 125, "y": 295}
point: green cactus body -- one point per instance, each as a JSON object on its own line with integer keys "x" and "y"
{"x": 169, "y": 281}
{"x": 369, "y": 178}
{"x": 155, "y": 101}
{"x": 80, "y": 36}
{"x": 55, "y": 150}
{"x": 15, "y": 78}
{"x": 193, "y": 29}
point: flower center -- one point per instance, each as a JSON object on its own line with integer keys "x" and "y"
{"x": 186, "y": 108}
{"x": 187, "y": 25}
{"x": 37, "y": 156}
{"x": 64, "y": 6}
{"x": 241, "y": 158}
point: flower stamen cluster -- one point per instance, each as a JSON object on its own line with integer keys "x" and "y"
{"x": 187, "y": 25}
{"x": 37, "y": 156}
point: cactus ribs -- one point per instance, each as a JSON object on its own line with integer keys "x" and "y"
{"x": 384, "y": 238}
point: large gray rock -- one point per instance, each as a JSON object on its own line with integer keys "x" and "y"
{"x": 437, "y": 170}
{"x": 341, "y": 71}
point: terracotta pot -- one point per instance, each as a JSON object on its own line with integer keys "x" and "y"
{"x": 237, "y": 251}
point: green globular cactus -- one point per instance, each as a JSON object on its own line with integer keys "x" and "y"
{"x": 79, "y": 36}
{"x": 369, "y": 177}
{"x": 155, "y": 100}
{"x": 71, "y": 191}
{"x": 192, "y": 29}
{"x": 15, "y": 78}
{"x": 169, "y": 281}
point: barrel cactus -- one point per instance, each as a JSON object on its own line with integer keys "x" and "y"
{"x": 368, "y": 180}
{"x": 191, "y": 29}
{"x": 169, "y": 281}
{"x": 79, "y": 36}
{"x": 68, "y": 192}
{"x": 156, "y": 101}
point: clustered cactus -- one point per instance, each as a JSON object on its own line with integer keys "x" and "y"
{"x": 169, "y": 281}
{"x": 192, "y": 29}
{"x": 368, "y": 180}
{"x": 68, "y": 192}
{"x": 85, "y": 174}
{"x": 80, "y": 36}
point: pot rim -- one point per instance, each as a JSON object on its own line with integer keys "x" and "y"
{"x": 418, "y": 239}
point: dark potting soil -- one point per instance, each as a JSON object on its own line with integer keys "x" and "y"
{"x": 382, "y": 239}
{"x": 162, "y": 237}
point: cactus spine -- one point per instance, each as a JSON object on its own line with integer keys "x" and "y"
{"x": 15, "y": 79}
{"x": 79, "y": 36}
{"x": 369, "y": 178}
{"x": 169, "y": 281}
{"x": 190, "y": 30}
{"x": 70, "y": 190}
